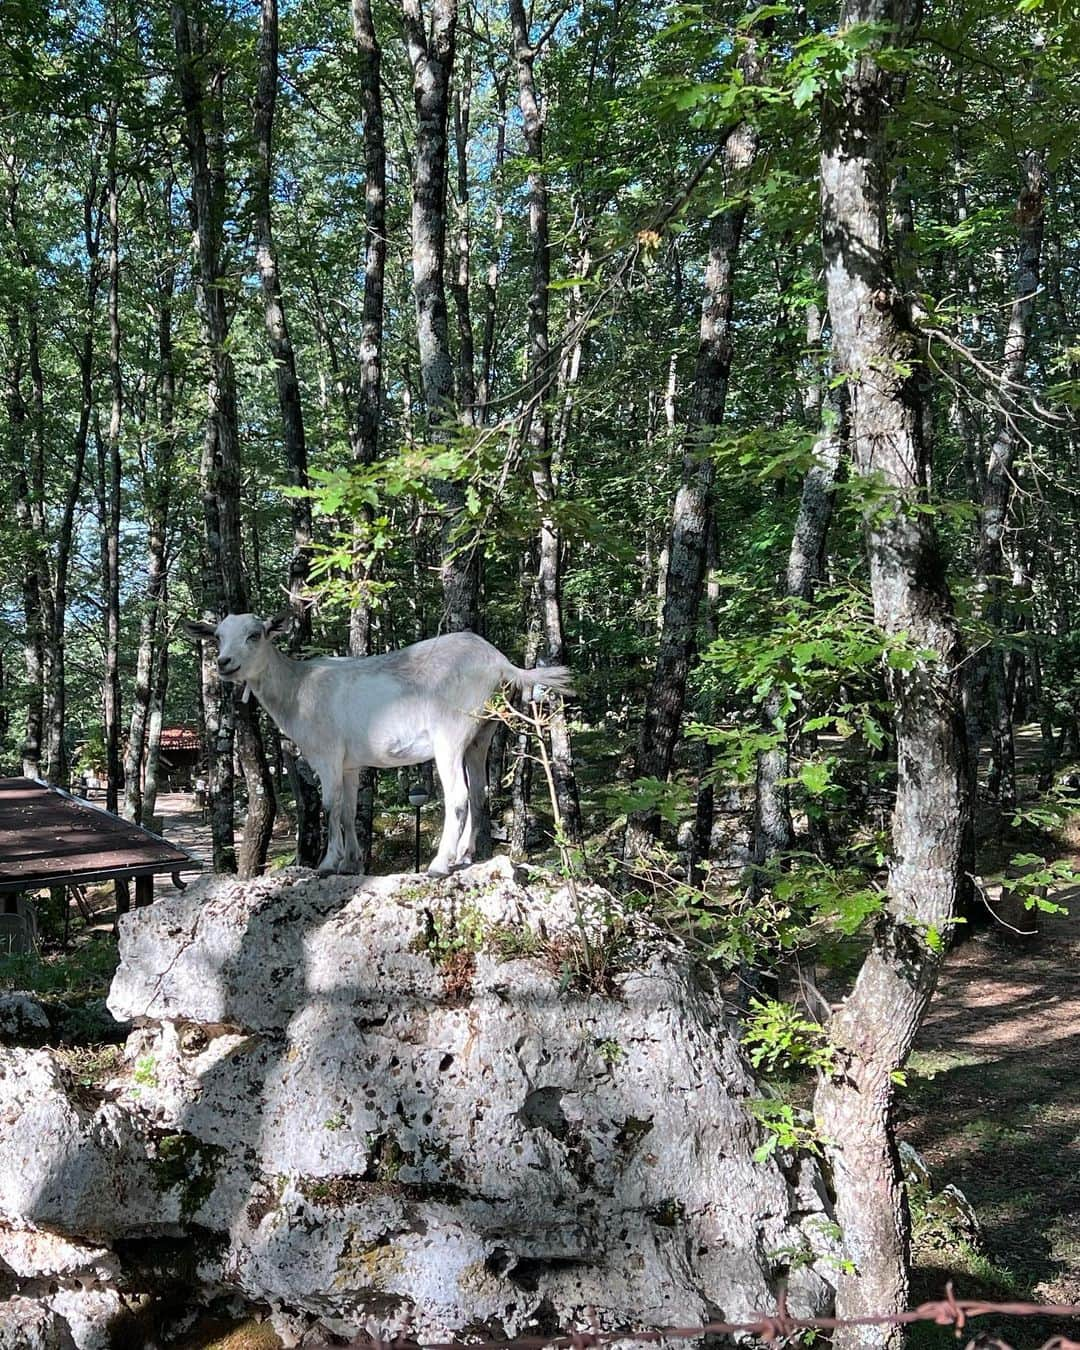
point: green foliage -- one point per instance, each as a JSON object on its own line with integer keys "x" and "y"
{"x": 785, "y": 1127}
{"x": 1036, "y": 876}
{"x": 646, "y": 796}
{"x": 145, "y": 1071}
{"x": 819, "y": 668}
{"x": 779, "y": 1038}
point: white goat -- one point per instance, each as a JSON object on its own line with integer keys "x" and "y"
{"x": 380, "y": 712}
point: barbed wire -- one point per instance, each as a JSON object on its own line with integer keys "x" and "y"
{"x": 780, "y": 1325}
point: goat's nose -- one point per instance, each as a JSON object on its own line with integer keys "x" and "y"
{"x": 222, "y": 663}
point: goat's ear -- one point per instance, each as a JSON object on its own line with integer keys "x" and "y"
{"x": 280, "y": 623}
{"x": 198, "y": 630}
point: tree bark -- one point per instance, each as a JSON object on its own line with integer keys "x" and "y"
{"x": 805, "y": 569}
{"x": 460, "y": 284}
{"x": 877, "y": 352}
{"x": 537, "y": 417}
{"x": 153, "y": 734}
{"x": 111, "y": 485}
{"x": 200, "y": 79}
{"x": 290, "y": 405}
{"x": 987, "y": 707}
{"x": 156, "y": 491}
{"x": 690, "y": 521}
{"x": 431, "y": 55}
{"x": 56, "y": 752}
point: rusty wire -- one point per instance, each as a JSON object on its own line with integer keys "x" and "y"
{"x": 772, "y": 1328}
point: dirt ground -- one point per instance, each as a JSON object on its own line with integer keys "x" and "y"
{"x": 993, "y": 1100}
{"x": 993, "y": 1103}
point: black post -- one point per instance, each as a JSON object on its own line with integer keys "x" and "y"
{"x": 417, "y": 797}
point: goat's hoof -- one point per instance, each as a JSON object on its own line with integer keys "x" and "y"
{"x": 437, "y": 870}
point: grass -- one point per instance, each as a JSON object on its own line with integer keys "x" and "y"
{"x": 84, "y": 971}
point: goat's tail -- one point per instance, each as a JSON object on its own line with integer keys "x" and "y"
{"x": 556, "y": 679}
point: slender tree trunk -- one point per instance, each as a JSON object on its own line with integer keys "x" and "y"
{"x": 537, "y": 429}
{"x": 366, "y": 413}
{"x": 158, "y": 471}
{"x": 92, "y": 227}
{"x": 431, "y": 55}
{"x": 987, "y": 708}
{"x": 485, "y": 383}
{"x": 111, "y": 691}
{"x": 33, "y": 631}
{"x": 805, "y": 569}
{"x": 52, "y": 668}
{"x": 290, "y": 405}
{"x": 57, "y": 750}
{"x": 690, "y": 522}
{"x": 460, "y": 284}
{"x": 521, "y": 785}
{"x": 33, "y": 628}
{"x": 877, "y": 351}
{"x": 153, "y": 734}
{"x": 200, "y": 80}
{"x": 773, "y": 833}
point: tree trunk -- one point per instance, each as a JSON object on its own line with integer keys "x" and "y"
{"x": 460, "y": 284}
{"x": 537, "y": 429}
{"x": 987, "y": 708}
{"x": 521, "y": 783}
{"x": 690, "y": 522}
{"x": 290, "y": 406}
{"x": 431, "y": 55}
{"x": 485, "y": 383}
{"x": 153, "y": 735}
{"x": 158, "y": 475}
{"x": 200, "y": 80}
{"x": 805, "y": 568}
{"x": 876, "y": 350}
{"x": 93, "y": 214}
{"x": 111, "y": 486}
{"x": 366, "y": 415}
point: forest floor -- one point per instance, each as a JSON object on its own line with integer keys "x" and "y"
{"x": 993, "y": 1105}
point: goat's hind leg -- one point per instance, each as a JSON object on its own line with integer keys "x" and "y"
{"x": 450, "y": 765}
{"x": 331, "y": 783}
{"x": 476, "y": 777}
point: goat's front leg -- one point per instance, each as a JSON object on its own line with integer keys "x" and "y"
{"x": 350, "y": 786}
{"x": 450, "y": 765}
{"x": 330, "y": 780}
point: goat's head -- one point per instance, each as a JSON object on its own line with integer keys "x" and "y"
{"x": 243, "y": 642}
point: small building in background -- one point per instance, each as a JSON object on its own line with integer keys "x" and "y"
{"x": 181, "y": 751}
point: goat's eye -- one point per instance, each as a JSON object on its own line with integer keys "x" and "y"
{"x": 253, "y": 637}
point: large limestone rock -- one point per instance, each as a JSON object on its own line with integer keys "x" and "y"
{"x": 472, "y": 1102}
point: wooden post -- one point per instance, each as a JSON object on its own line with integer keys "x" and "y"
{"x": 144, "y": 891}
